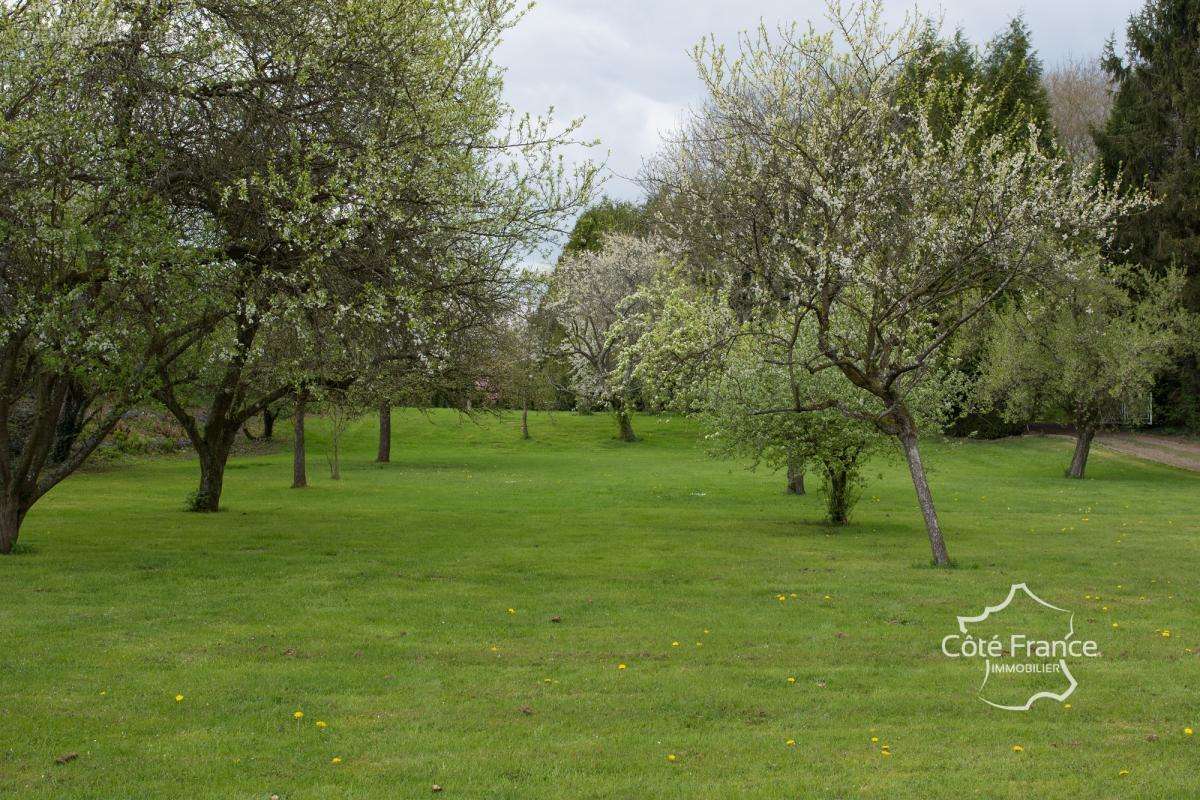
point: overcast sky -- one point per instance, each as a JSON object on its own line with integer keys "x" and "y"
{"x": 624, "y": 64}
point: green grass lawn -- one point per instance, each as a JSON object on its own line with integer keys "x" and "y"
{"x": 379, "y": 605}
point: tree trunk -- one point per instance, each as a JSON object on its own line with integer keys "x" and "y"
{"x": 1083, "y": 446}
{"x": 299, "y": 477}
{"x": 12, "y": 514}
{"x": 70, "y": 423}
{"x": 838, "y": 501}
{"x": 213, "y": 458}
{"x": 624, "y": 422}
{"x": 268, "y": 424}
{"x": 335, "y": 456}
{"x": 385, "y": 434}
{"x": 795, "y": 480}
{"x": 525, "y": 418}
{"x": 908, "y": 438}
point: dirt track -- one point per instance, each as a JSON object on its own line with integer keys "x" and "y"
{"x": 1173, "y": 450}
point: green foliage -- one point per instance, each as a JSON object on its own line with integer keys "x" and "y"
{"x": 1012, "y": 77}
{"x": 1087, "y": 347}
{"x": 84, "y": 244}
{"x": 1153, "y": 136}
{"x": 748, "y": 385}
{"x": 1008, "y": 73}
{"x": 605, "y": 217}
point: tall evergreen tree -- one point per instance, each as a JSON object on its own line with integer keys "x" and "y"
{"x": 1012, "y": 75}
{"x": 1153, "y": 136}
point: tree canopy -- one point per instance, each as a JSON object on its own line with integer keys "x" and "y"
{"x": 1152, "y": 138}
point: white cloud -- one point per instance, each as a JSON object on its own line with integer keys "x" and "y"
{"x": 625, "y": 66}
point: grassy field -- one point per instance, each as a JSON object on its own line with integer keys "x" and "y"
{"x": 410, "y": 609}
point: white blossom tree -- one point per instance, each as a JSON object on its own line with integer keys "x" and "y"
{"x": 813, "y": 182}
{"x": 590, "y": 293}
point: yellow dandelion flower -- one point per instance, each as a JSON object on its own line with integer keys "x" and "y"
{"x": 1166, "y": 634}
{"x": 1122, "y": 773}
{"x": 1018, "y": 749}
{"x": 791, "y": 742}
{"x": 178, "y": 698}
{"x": 885, "y": 752}
{"x": 874, "y": 740}
{"x": 827, "y": 597}
{"x": 791, "y": 679}
{"x": 674, "y": 644}
{"x": 620, "y": 666}
{"x": 335, "y": 760}
{"x": 795, "y": 595}
{"x": 494, "y": 649}
{"x": 321, "y": 724}
{"x": 1066, "y": 705}
{"x": 706, "y": 631}
{"x": 512, "y": 611}
{"x": 1188, "y": 731}
{"x": 672, "y": 757}
{"x": 298, "y": 715}
{"x": 1115, "y": 625}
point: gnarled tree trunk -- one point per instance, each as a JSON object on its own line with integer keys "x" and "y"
{"x": 213, "y": 458}
{"x": 385, "y": 433}
{"x": 907, "y": 434}
{"x": 1083, "y": 447}
{"x": 268, "y": 431}
{"x": 299, "y": 475}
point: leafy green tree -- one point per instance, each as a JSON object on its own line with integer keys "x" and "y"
{"x": 746, "y": 382}
{"x": 1152, "y": 137}
{"x": 83, "y": 240}
{"x": 605, "y": 217}
{"x": 1085, "y": 347}
{"x": 353, "y": 162}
